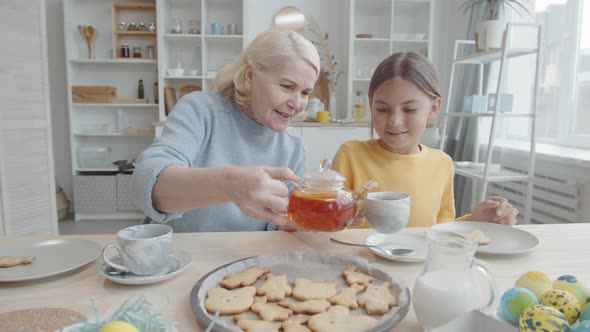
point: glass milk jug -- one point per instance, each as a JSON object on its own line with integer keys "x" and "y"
{"x": 452, "y": 282}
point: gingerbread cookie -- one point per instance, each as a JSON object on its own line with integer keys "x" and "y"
{"x": 10, "y": 261}
{"x": 352, "y": 276}
{"x": 244, "y": 278}
{"x": 377, "y": 299}
{"x": 296, "y": 324}
{"x": 229, "y": 302}
{"x": 269, "y": 312}
{"x": 347, "y": 296}
{"x": 275, "y": 288}
{"x": 251, "y": 325}
{"x": 338, "y": 318}
{"x": 306, "y": 289}
{"x": 307, "y": 307}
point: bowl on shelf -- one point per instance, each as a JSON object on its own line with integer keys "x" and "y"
{"x": 175, "y": 71}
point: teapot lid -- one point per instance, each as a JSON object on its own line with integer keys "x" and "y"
{"x": 324, "y": 178}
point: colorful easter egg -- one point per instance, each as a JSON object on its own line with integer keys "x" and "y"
{"x": 574, "y": 286}
{"x": 541, "y": 318}
{"x": 582, "y": 327}
{"x": 563, "y": 301}
{"x": 536, "y": 281}
{"x": 118, "y": 326}
{"x": 585, "y": 312}
{"x": 514, "y": 301}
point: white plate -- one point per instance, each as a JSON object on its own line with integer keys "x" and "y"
{"x": 180, "y": 260}
{"x": 315, "y": 266}
{"x": 399, "y": 240}
{"x": 504, "y": 240}
{"x": 53, "y": 257}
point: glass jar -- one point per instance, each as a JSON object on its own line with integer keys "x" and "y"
{"x": 175, "y": 26}
{"x": 194, "y": 27}
{"x": 152, "y": 27}
{"x": 132, "y": 27}
{"x": 149, "y": 50}
{"x": 124, "y": 51}
{"x": 142, "y": 27}
{"x": 137, "y": 52}
{"x": 358, "y": 113}
{"x": 122, "y": 26}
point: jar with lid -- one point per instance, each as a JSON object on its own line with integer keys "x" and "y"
{"x": 122, "y": 26}
{"x": 358, "y": 113}
{"x": 141, "y": 27}
{"x": 152, "y": 27}
{"x": 132, "y": 27}
{"x": 124, "y": 51}
{"x": 137, "y": 52}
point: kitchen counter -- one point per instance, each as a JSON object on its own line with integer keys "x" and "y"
{"x": 562, "y": 250}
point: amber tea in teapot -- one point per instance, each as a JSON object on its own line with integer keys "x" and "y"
{"x": 323, "y": 203}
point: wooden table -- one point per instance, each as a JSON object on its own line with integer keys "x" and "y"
{"x": 563, "y": 250}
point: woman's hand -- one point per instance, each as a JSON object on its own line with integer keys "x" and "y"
{"x": 260, "y": 191}
{"x": 495, "y": 209}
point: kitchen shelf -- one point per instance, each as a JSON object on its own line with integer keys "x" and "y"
{"x": 113, "y": 105}
{"x": 502, "y": 176}
{"x": 117, "y": 61}
{"x": 489, "y": 115}
{"x": 111, "y": 135}
{"x": 495, "y": 55}
{"x": 136, "y": 33}
{"x": 168, "y": 77}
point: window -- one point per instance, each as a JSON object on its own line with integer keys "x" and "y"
{"x": 563, "y": 114}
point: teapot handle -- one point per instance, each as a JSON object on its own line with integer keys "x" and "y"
{"x": 485, "y": 270}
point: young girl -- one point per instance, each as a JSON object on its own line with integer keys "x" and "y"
{"x": 403, "y": 95}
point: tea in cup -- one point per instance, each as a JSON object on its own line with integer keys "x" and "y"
{"x": 144, "y": 249}
{"x": 387, "y": 211}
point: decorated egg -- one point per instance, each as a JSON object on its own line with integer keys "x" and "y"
{"x": 574, "y": 286}
{"x": 585, "y": 312}
{"x": 118, "y": 326}
{"x": 582, "y": 327}
{"x": 514, "y": 301}
{"x": 563, "y": 301}
{"x": 536, "y": 281}
{"x": 542, "y": 318}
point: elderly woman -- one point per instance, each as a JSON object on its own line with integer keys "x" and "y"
{"x": 222, "y": 159}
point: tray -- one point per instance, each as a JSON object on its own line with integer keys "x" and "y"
{"x": 317, "y": 267}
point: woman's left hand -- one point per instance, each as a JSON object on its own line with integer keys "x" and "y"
{"x": 495, "y": 209}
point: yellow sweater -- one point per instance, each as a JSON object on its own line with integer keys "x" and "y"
{"x": 427, "y": 176}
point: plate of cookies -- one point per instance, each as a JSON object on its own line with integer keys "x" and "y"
{"x": 300, "y": 291}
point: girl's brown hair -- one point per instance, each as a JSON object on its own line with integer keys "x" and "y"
{"x": 409, "y": 66}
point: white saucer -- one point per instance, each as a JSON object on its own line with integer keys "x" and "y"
{"x": 399, "y": 240}
{"x": 179, "y": 261}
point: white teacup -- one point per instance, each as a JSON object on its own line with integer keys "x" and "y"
{"x": 387, "y": 211}
{"x": 143, "y": 249}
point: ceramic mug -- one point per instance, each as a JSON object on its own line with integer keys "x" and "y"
{"x": 323, "y": 116}
{"x": 143, "y": 249}
{"x": 387, "y": 211}
{"x": 232, "y": 29}
{"x": 216, "y": 29}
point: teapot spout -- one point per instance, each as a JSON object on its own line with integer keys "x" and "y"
{"x": 361, "y": 196}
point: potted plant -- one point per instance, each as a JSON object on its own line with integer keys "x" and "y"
{"x": 491, "y": 31}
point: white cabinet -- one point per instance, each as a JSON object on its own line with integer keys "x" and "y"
{"x": 323, "y": 142}
{"x": 195, "y": 40}
{"x": 379, "y": 28}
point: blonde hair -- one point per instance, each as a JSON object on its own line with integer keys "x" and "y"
{"x": 410, "y": 66}
{"x": 262, "y": 54}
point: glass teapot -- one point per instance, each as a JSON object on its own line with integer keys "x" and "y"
{"x": 323, "y": 203}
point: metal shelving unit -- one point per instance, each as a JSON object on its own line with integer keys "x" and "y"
{"x": 480, "y": 59}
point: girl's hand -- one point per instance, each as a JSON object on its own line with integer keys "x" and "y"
{"x": 260, "y": 191}
{"x": 495, "y": 209}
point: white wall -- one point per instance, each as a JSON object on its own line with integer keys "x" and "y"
{"x": 450, "y": 24}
